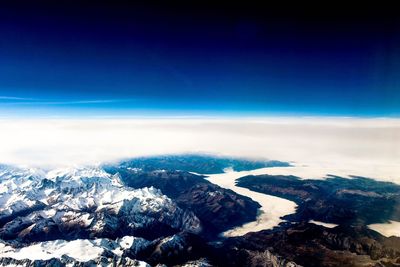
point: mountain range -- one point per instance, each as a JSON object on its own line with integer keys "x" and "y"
{"x": 162, "y": 211}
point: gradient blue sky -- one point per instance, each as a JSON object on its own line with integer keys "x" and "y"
{"x": 60, "y": 58}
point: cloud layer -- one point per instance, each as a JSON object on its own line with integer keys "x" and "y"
{"x": 317, "y": 146}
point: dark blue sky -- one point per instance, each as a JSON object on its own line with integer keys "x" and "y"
{"x": 197, "y": 59}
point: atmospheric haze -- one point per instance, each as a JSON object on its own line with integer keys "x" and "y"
{"x": 315, "y": 146}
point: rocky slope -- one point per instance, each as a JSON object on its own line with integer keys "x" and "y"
{"x": 89, "y": 204}
{"x": 218, "y": 209}
{"x": 85, "y": 202}
{"x": 355, "y": 201}
{"x": 314, "y": 245}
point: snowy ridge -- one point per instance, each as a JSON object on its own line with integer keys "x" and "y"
{"x": 17, "y": 192}
{"x": 87, "y": 205}
{"x": 81, "y": 250}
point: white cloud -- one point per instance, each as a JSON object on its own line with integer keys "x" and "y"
{"x": 14, "y": 98}
{"x": 318, "y": 146}
{"x": 31, "y": 101}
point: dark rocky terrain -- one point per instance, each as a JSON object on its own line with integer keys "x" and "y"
{"x": 219, "y": 209}
{"x": 355, "y": 201}
{"x": 203, "y": 164}
{"x": 313, "y": 245}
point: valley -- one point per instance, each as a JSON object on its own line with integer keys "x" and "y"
{"x": 150, "y": 212}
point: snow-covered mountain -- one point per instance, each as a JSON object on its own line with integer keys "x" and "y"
{"x": 117, "y": 216}
{"x": 94, "y": 252}
{"x": 88, "y": 207}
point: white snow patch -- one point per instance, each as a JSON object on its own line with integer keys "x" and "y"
{"x": 81, "y": 250}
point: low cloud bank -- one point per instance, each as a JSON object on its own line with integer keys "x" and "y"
{"x": 316, "y": 146}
